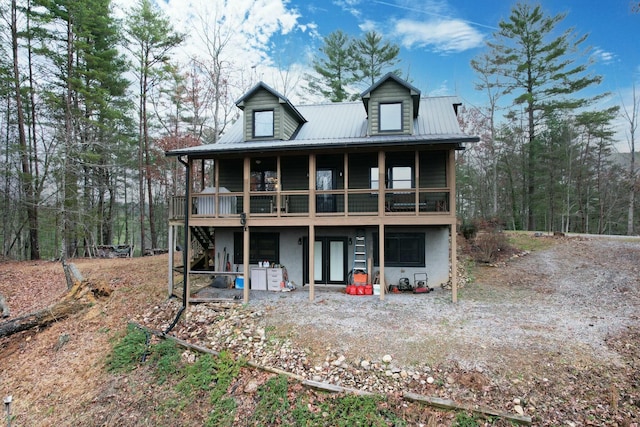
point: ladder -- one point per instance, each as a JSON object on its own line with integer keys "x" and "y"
{"x": 359, "y": 254}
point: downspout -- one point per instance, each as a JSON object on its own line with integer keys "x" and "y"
{"x": 185, "y": 252}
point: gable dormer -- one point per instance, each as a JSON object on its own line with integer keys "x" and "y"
{"x": 268, "y": 115}
{"x": 391, "y": 105}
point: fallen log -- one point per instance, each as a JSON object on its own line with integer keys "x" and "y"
{"x": 449, "y": 404}
{"x": 80, "y": 296}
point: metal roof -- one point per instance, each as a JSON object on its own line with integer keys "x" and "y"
{"x": 345, "y": 125}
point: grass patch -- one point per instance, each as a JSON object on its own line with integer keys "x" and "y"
{"x": 276, "y": 408}
{"x": 527, "y": 241}
{"x": 128, "y": 353}
{"x": 166, "y": 357}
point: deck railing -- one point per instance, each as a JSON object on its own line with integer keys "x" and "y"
{"x": 328, "y": 202}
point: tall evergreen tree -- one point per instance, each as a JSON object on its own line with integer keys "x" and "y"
{"x": 539, "y": 70}
{"x": 151, "y": 40}
{"x": 335, "y": 69}
{"x": 373, "y": 57}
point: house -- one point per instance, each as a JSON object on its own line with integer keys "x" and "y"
{"x": 325, "y": 190}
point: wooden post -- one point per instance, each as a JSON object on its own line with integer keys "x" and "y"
{"x": 383, "y": 284}
{"x": 245, "y": 240}
{"x": 453, "y": 257}
{"x": 312, "y": 230}
{"x": 172, "y": 247}
{"x": 312, "y": 259}
{"x": 382, "y": 174}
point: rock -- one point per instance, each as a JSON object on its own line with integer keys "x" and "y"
{"x": 516, "y": 401}
{"x": 251, "y": 387}
{"x": 404, "y": 374}
{"x": 387, "y": 358}
{"x": 518, "y": 409}
{"x": 365, "y": 364}
{"x": 430, "y": 380}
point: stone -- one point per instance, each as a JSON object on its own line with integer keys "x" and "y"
{"x": 518, "y": 409}
{"x": 387, "y": 358}
{"x": 516, "y": 401}
{"x": 430, "y": 380}
{"x": 251, "y": 387}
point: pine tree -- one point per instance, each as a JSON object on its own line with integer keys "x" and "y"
{"x": 335, "y": 69}
{"x": 373, "y": 57}
{"x": 540, "y": 72}
{"x": 151, "y": 40}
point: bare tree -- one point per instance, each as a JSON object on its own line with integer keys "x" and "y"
{"x": 631, "y": 116}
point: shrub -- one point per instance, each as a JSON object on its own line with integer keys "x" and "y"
{"x": 488, "y": 246}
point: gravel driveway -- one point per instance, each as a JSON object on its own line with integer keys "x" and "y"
{"x": 561, "y": 302}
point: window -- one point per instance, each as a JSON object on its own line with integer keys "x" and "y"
{"x": 264, "y": 181}
{"x": 375, "y": 179}
{"x": 401, "y": 177}
{"x": 262, "y": 247}
{"x": 262, "y": 124}
{"x": 390, "y": 117}
{"x": 398, "y": 177}
{"x": 401, "y": 250}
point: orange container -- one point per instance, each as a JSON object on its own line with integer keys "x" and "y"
{"x": 360, "y": 278}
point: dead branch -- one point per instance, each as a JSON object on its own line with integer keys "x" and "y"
{"x": 80, "y": 296}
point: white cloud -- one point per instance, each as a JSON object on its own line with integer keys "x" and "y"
{"x": 441, "y": 90}
{"x": 604, "y": 56}
{"x": 446, "y": 35}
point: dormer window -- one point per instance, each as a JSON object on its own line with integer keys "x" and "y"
{"x": 391, "y": 117}
{"x": 263, "y": 124}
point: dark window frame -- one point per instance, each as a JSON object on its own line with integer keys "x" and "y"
{"x": 402, "y": 249}
{"x": 262, "y": 247}
{"x": 381, "y": 115}
{"x": 273, "y": 121}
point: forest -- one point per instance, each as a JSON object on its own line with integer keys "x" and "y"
{"x": 91, "y": 101}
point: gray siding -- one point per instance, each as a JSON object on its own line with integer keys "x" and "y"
{"x": 294, "y": 171}
{"x": 230, "y": 174}
{"x": 433, "y": 169}
{"x": 290, "y": 124}
{"x": 262, "y": 100}
{"x": 390, "y": 91}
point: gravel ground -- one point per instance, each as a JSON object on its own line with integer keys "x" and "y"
{"x": 553, "y": 335}
{"x": 566, "y": 300}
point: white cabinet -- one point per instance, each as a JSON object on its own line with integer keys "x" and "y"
{"x": 263, "y": 279}
{"x": 274, "y": 278}
{"x": 259, "y": 278}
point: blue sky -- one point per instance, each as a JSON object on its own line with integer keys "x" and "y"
{"x": 438, "y": 38}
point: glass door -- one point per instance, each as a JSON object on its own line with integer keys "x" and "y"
{"x": 325, "y": 181}
{"x": 330, "y": 261}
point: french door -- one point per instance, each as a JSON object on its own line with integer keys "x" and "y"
{"x": 330, "y": 260}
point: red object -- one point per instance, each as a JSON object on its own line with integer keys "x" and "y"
{"x": 349, "y": 290}
{"x": 368, "y": 290}
{"x": 360, "y": 278}
{"x": 360, "y": 290}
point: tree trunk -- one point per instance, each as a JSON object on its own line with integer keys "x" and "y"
{"x": 79, "y": 297}
{"x": 27, "y": 177}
